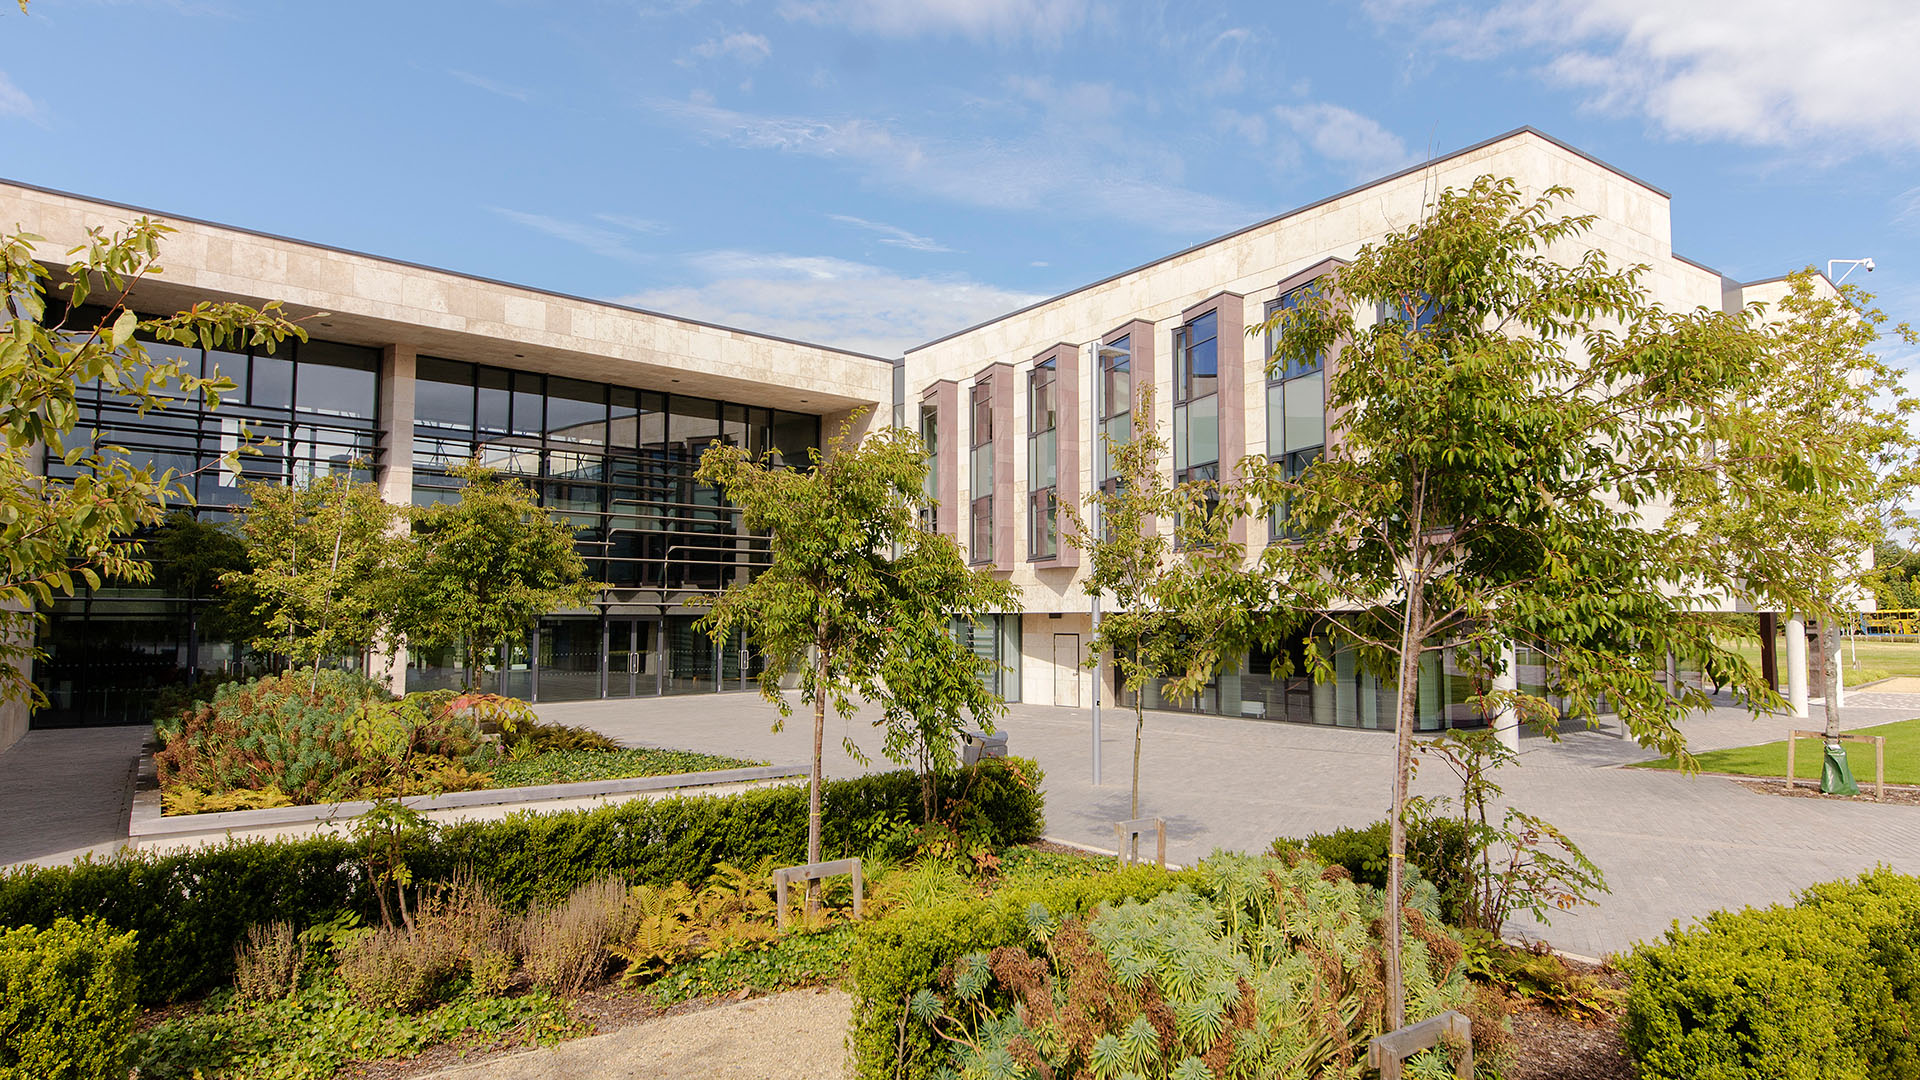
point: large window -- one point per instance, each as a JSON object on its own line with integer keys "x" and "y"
{"x": 1196, "y": 400}
{"x": 302, "y": 410}
{"x": 1043, "y": 511}
{"x": 930, "y": 487}
{"x": 1296, "y": 409}
{"x": 617, "y": 462}
{"x": 1116, "y": 402}
{"x": 980, "y": 474}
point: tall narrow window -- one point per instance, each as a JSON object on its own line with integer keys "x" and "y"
{"x": 1196, "y": 400}
{"x": 1296, "y": 410}
{"x": 930, "y": 487}
{"x": 1116, "y": 403}
{"x": 980, "y": 474}
{"x": 1043, "y": 511}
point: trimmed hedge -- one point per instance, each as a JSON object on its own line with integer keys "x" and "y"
{"x": 1827, "y": 987}
{"x": 190, "y": 908}
{"x": 1438, "y": 847}
{"x": 894, "y": 956}
{"x": 67, "y": 1002}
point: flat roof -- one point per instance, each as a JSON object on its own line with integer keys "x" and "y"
{"x": 442, "y": 270}
{"x": 1408, "y": 171}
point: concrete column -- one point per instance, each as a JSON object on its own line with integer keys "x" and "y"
{"x": 395, "y": 477}
{"x": 1506, "y": 722}
{"x": 1797, "y": 665}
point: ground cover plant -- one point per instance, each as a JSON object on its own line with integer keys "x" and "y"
{"x": 1770, "y": 759}
{"x": 304, "y": 737}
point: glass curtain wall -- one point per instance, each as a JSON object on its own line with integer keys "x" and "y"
{"x": 316, "y": 402}
{"x": 1261, "y": 687}
{"x": 996, "y": 639}
{"x": 1043, "y": 524}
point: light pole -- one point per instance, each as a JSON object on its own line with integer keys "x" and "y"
{"x": 1850, "y": 264}
{"x": 1100, "y": 353}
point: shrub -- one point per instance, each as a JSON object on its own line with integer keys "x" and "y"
{"x": 566, "y": 943}
{"x": 1827, "y": 987}
{"x": 292, "y": 732}
{"x": 191, "y": 908}
{"x": 895, "y": 956}
{"x": 67, "y": 1002}
{"x": 396, "y": 968}
{"x": 267, "y": 964}
{"x": 1438, "y": 847}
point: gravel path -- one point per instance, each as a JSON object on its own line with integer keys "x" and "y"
{"x": 799, "y": 1035}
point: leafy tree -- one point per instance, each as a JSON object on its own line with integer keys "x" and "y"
{"x": 70, "y": 526}
{"x": 856, "y": 597}
{"x": 1802, "y": 537}
{"x": 481, "y": 569}
{"x": 1505, "y": 424}
{"x": 191, "y": 557}
{"x": 323, "y": 557}
{"x": 1149, "y": 633}
{"x": 1898, "y": 584}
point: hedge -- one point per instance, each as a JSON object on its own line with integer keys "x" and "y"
{"x": 190, "y": 908}
{"x": 894, "y": 956}
{"x": 1827, "y": 987}
{"x": 67, "y": 1002}
{"x": 1438, "y": 847}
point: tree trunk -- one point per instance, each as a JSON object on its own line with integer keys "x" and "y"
{"x": 813, "y": 786}
{"x": 1139, "y": 725}
{"x": 1829, "y": 675}
{"x": 1405, "y": 715}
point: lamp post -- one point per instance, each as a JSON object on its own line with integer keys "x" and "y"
{"x": 1100, "y": 353}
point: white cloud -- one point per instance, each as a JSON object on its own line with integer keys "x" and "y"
{"x": 1045, "y": 172}
{"x": 1766, "y": 72}
{"x": 1355, "y": 142}
{"x": 830, "y": 301}
{"x": 893, "y": 234}
{"x": 489, "y": 85}
{"x": 611, "y": 243}
{"x": 14, "y": 101}
{"x": 746, "y": 48}
{"x": 1044, "y": 21}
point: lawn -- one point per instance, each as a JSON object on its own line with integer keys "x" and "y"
{"x": 1770, "y": 759}
{"x": 1878, "y": 659}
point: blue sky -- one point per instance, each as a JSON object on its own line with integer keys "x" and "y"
{"x": 875, "y": 174}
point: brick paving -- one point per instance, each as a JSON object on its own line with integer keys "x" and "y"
{"x": 1673, "y": 847}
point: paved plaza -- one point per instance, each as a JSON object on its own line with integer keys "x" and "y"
{"x": 1672, "y": 846}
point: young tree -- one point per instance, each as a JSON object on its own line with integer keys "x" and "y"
{"x": 1804, "y": 539}
{"x": 1129, "y": 558}
{"x": 856, "y": 598}
{"x": 68, "y": 526}
{"x": 1501, "y": 430}
{"x": 323, "y": 558}
{"x": 481, "y": 569}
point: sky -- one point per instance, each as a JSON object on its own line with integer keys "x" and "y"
{"x": 875, "y": 174}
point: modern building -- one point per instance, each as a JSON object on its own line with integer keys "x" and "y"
{"x": 605, "y": 409}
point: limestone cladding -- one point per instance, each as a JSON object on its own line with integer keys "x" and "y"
{"x": 373, "y": 301}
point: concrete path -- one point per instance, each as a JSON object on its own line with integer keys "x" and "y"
{"x": 1672, "y": 846}
{"x": 66, "y": 792}
{"x": 800, "y": 1035}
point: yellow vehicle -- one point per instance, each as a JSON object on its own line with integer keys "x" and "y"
{"x": 1897, "y": 622}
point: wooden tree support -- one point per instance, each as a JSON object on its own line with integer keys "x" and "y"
{"x": 1389, "y": 1052}
{"x": 1129, "y": 831}
{"x": 787, "y": 875}
{"x": 1879, "y": 757}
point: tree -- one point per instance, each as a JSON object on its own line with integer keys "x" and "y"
{"x": 323, "y": 563}
{"x": 1804, "y": 538}
{"x": 1129, "y": 558}
{"x": 1503, "y": 427}
{"x": 70, "y": 525}
{"x": 191, "y": 558}
{"x": 481, "y": 569}
{"x": 856, "y": 598}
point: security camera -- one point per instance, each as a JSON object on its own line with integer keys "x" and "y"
{"x": 1868, "y": 263}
